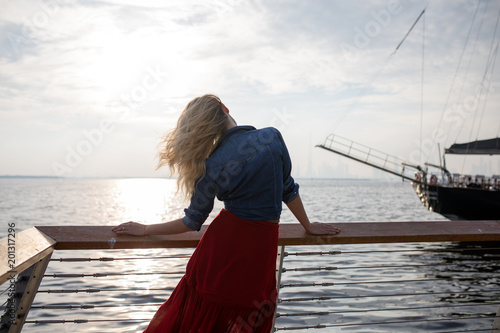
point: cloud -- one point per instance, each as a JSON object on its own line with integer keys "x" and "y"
{"x": 66, "y": 66}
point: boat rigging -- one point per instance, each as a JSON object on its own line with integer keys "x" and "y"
{"x": 456, "y": 196}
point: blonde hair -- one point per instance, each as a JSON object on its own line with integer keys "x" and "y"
{"x": 185, "y": 148}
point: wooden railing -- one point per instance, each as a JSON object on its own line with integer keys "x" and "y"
{"x": 28, "y": 256}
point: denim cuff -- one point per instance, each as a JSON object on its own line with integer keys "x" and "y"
{"x": 191, "y": 224}
{"x": 290, "y": 196}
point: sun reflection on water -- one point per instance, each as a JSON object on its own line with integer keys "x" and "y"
{"x": 147, "y": 200}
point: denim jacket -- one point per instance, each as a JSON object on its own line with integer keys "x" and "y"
{"x": 249, "y": 171}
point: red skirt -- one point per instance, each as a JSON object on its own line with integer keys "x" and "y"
{"x": 230, "y": 281}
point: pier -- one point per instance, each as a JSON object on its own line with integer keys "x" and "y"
{"x": 24, "y": 265}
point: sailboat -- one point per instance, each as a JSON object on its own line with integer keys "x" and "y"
{"x": 453, "y": 195}
{"x": 460, "y": 196}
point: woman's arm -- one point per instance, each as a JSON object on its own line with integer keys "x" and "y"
{"x": 139, "y": 229}
{"x": 315, "y": 228}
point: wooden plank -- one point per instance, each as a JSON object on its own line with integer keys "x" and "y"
{"x": 101, "y": 237}
{"x": 396, "y": 232}
{"x": 27, "y": 248}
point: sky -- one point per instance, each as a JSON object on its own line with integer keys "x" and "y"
{"x": 87, "y": 88}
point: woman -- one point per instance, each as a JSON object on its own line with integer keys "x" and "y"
{"x": 230, "y": 283}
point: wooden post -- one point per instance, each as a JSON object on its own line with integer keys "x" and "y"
{"x": 29, "y": 247}
{"x": 279, "y": 268}
{"x": 496, "y": 323}
{"x": 27, "y": 256}
{"x": 20, "y": 302}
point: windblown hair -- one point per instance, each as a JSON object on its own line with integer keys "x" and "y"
{"x": 185, "y": 148}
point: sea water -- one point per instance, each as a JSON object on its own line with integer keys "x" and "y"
{"x": 366, "y": 288}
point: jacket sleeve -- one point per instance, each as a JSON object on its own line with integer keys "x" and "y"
{"x": 290, "y": 187}
{"x": 202, "y": 203}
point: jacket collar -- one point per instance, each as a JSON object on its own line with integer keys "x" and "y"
{"x": 231, "y": 132}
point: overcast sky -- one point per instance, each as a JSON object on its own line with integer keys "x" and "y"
{"x": 88, "y": 87}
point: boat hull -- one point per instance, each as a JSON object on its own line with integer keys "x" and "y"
{"x": 459, "y": 203}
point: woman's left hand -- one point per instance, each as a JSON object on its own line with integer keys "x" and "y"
{"x": 130, "y": 228}
{"x": 317, "y": 228}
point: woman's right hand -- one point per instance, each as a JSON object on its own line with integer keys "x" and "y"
{"x": 130, "y": 228}
{"x": 317, "y": 228}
